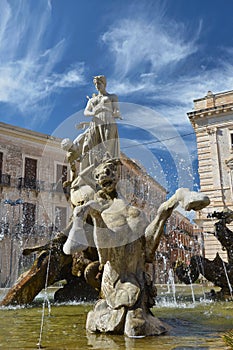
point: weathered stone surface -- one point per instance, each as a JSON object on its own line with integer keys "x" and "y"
{"x": 105, "y": 319}
{"x": 140, "y": 323}
{"x": 61, "y": 267}
{"x": 33, "y": 281}
{"x": 124, "y": 294}
{"x": 125, "y": 243}
{"x": 190, "y": 200}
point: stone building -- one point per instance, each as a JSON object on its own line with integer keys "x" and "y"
{"x": 139, "y": 188}
{"x": 181, "y": 241}
{"x": 212, "y": 120}
{"x": 32, "y": 201}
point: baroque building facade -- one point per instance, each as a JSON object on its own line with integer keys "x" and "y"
{"x": 212, "y": 120}
{"x": 32, "y": 202}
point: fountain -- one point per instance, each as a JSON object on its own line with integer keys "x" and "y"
{"x": 108, "y": 242}
{"x": 217, "y": 271}
{"x": 125, "y": 243}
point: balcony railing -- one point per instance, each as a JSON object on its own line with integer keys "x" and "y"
{"x": 5, "y": 180}
{"x": 31, "y": 184}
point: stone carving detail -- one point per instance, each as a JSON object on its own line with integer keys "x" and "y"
{"x": 125, "y": 242}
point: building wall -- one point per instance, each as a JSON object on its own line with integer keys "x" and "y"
{"x": 212, "y": 120}
{"x": 181, "y": 241}
{"x": 32, "y": 218}
{"x": 140, "y": 189}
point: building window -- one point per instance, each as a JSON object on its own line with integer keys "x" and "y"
{"x": 61, "y": 176}
{"x": 1, "y": 162}
{"x": 4, "y": 178}
{"x": 30, "y": 173}
{"x": 60, "y": 218}
{"x": 29, "y": 217}
{"x": 231, "y": 139}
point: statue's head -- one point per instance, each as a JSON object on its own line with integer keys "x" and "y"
{"x": 99, "y": 80}
{"x": 66, "y": 144}
{"x": 106, "y": 174}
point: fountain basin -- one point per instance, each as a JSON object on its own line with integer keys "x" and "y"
{"x": 193, "y": 325}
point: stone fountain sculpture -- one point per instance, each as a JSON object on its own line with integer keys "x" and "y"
{"x": 124, "y": 238}
{"x": 217, "y": 271}
{"x": 125, "y": 242}
{"x": 106, "y": 224}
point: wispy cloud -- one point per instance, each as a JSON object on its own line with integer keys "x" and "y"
{"x": 151, "y": 46}
{"x": 27, "y": 66}
{"x": 156, "y": 133}
{"x": 147, "y": 56}
{"x": 165, "y": 63}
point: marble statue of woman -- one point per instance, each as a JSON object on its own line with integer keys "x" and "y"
{"x": 100, "y": 141}
{"x": 102, "y": 137}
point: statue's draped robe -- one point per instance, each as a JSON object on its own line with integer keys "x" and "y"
{"x": 102, "y": 135}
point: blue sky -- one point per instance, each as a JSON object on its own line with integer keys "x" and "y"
{"x": 157, "y": 56}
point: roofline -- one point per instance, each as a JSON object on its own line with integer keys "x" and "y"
{"x": 217, "y": 94}
{"x": 28, "y": 133}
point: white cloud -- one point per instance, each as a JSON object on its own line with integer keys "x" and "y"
{"x": 124, "y": 87}
{"x": 27, "y": 65}
{"x": 186, "y": 88}
{"x": 135, "y": 42}
{"x": 145, "y": 54}
{"x": 73, "y": 77}
{"x": 148, "y": 56}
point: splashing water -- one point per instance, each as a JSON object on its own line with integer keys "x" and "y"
{"x": 192, "y": 290}
{"x": 228, "y": 281}
{"x": 171, "y": 281}
{"x": 46, "y": 300}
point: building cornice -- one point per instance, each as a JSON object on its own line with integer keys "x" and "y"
{"x": 28, "y": 135}
{"x": 210, "y": 112}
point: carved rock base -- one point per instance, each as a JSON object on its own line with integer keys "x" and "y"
{"x": 141, "y": 323}
{"x": 133, "y": 323}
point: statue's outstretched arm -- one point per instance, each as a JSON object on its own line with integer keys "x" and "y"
{"x": 188, "y": 200}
